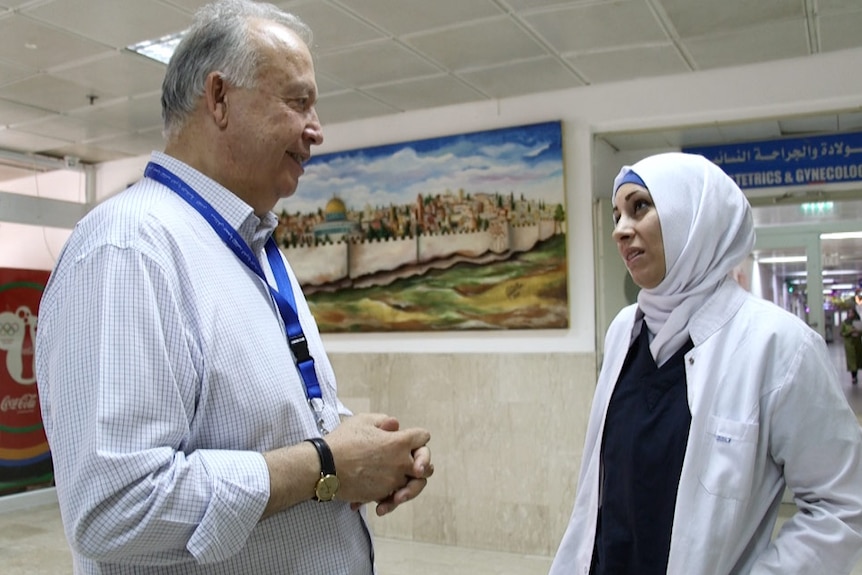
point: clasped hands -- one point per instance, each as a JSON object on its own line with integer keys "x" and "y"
{"x": 377, "y": 461}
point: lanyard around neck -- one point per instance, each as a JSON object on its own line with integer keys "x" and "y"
{"x": 283, "y": 296}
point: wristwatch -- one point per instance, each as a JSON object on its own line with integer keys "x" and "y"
{"x": 328, "y": 483}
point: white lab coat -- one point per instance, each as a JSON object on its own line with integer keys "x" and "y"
{"x": 767, "y": 411}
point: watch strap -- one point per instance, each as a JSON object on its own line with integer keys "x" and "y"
{"x": 327, "y": 462}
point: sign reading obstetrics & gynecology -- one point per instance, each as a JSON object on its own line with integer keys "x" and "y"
{"x": 25, "y": 458}
{"x": 826, "y": 159}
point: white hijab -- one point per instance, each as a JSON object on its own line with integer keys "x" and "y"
{"x": 707, "y": 230}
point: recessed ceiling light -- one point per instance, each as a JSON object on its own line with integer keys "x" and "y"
{"x": 159, "y": 49}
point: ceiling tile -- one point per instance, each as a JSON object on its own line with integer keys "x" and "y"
{"x": 628, "y": 64}
{"x": 42, "y": 47}
{"x": 12, "y": 73}
{"x": 525, "y": 77}
{"x": 67, "y": 128}
{"x": 13, "y": 3}
{"x": 13, "y": 113}
{"x": 189, "y": 6}
{"x": 136, "y": 143}
{"x": 610, "y": 24}
{"x": 840, "y": 31}
{"x": 405, "y": 16}
{"x": 425, "y": 93}
{"x": 116, "y": 23}
{"x": 24, "y": 142}
{"x": 521, "y": 5}
{"x": 333, "y": 28}
{"x": 699, "y": 17}
{"x": 477, "y": 44}
{"x": 350, "y": 106}
{"x": 88, "y": 154}
{"x": 829, "y": 6}
{"x": 374, "y": 63}
{"x": 325, "y": 84}
{"x": 139, "y": 113}
{"x": 47, "y": 92}
{"x": 787, "y": 39}
{"x": 118, "y": 74}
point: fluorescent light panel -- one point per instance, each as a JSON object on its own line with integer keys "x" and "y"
{"x": 842, "y": 236}
{"x": 783, "y": 260}
{"x": 160, "y": 49}
{"x": 827, "y": 273}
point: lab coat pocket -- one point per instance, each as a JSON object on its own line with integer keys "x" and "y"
{"x": 730, "y": 448}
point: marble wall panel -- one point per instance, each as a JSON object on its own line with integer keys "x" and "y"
{"x": 507, "y": 433}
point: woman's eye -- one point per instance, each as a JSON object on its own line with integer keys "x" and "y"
{"x": 641, "y": 205}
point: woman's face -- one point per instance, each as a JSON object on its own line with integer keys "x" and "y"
{"x": 637, "y": 232}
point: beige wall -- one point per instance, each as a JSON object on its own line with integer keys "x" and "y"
{"x": 507, "y": 432}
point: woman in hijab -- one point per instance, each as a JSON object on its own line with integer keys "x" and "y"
{"x": 850, "y": 331}
{"x": 709, "y": 403}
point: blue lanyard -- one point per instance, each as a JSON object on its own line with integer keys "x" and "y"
{"x": 283, "y": 296}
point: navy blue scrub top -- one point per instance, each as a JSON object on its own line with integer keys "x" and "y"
{"x": 646, "y": 432}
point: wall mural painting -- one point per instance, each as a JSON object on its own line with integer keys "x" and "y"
{"x": 463, "y": 232}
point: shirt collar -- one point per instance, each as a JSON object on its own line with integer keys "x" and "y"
{"x": 254, "y": 230}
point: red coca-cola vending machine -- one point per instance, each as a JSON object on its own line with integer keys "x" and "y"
{"x": 25, "y": 458}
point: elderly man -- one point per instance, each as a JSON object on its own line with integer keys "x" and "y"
{"x": 188, "y": 401}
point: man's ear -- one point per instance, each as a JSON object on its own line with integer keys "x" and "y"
{"x": 215, "y": 92}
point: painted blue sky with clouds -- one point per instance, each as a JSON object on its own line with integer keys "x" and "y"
{"x": 524, "y": 160}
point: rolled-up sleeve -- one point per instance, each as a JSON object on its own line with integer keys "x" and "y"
{"x": 118, "y": 376}
{"x": 240, "y": 491}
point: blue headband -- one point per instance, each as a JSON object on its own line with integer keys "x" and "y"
{"x": 631, "y": 178}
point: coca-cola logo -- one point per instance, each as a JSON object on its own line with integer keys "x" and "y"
{"x": 26, "y": 402}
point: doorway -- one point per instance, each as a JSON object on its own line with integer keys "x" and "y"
{"x": 809, "y": 261}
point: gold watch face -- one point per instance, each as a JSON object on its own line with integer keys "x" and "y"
{"x": 326, "y": 488}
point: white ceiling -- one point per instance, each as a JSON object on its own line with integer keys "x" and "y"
{"x": 69, "y": 88}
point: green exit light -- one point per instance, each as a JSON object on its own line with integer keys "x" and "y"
{"x": 814, "y": 208}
